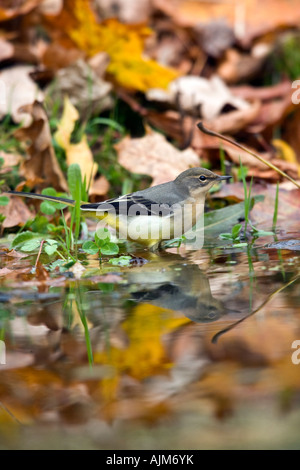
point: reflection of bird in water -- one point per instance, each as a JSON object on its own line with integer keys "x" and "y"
{"x": 184, "y": 288}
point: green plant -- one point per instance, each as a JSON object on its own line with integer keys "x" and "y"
{"x": 121, "y": 261}
{"x": 102, "y": 244}
{"x": 237, "y": 234}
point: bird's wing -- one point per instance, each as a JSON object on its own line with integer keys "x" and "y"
{"x": 130, "y": 205}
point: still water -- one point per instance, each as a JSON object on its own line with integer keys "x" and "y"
{"x": 181, "y": 350}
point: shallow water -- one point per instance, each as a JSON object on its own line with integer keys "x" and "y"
{"x": 183, "y": 350}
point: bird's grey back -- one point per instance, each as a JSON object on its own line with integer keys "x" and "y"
{"x": 166, "y": 193}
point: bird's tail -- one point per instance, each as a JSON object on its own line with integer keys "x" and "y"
{"x": 68, "y": 202}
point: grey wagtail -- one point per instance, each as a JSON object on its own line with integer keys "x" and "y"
{"x": 155, "y": 214}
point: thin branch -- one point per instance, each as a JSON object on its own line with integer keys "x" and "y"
{"x": 258, "y": 157}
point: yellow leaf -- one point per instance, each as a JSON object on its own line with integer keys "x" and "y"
{"x": 145, "y": 354}
{"x": 286, "y": 152}
{"x": 65, "y": 127}
{"x": 79, "y": 153}
{"x": 124, "y": 43}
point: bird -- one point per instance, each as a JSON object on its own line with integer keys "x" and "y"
{"x": 153, "y": 215}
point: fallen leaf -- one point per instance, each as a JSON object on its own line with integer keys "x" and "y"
{"x": 41, "y": 161}
{"x": 122, "y": 42}
{"x": 257, "y": 344}
{"x": 56, "y": 56}
{"x": 18, "y": 89}
{"x": 10, "y": 159}
{"x": 267, "y": 93}
{"x": 247, "y": 18}
{"x": 99, "y": 187}
{"x": 237, "y": 67}
{"x": 153, "y": 155}
{"x": 18, "y": 8}
{"x": 5, "y": 271}
{"x": 77, "y": 269}
{"x": 291, "y": 131}
{"x": 192, "y": 94}
{"x": 86, "y": 91}
{"x": 126, "y": 11}
{"x": 80, "y": 152}
{"x": 6, "y": 50}
{"x": 293, "y": 245}
{"x": 235, "y": 121}
{"x": 215, "y": 37}
{"x": 16, "y": 213}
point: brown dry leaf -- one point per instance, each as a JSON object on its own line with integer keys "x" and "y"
{"x": 236, "y": 120}
{"x": 41, "y": 161}
{"x": 267, "y": 93}
{"x": 5, "y": 271}
{"x": 10, "y": 9}
{"x": 56, "y": 56}
{"x": 10, "y": 159}
{"x": 18, "y": 90}
{"x": 272, "y": 113}
{"x": 16, "y": 213}
{"x": 80, "y": 152}
{"x": 237, "y": 67}
{"x": 99, "y": 187}
{"x": 153, "y": 155}
{"x": 256, "y": 343}
{"x": 247, "y": 17}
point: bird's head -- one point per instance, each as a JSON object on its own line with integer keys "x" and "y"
{"x": 198, "y": 181}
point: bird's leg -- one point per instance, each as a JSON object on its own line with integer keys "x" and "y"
{"x": 156, "y": 246}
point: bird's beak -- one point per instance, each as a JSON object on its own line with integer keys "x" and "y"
{"x": 223, "y": 178}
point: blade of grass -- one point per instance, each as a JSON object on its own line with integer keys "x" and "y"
{"x": 275, "y": 215}
{"x": 75, "y": 186}
{"x": 222, "y": 160}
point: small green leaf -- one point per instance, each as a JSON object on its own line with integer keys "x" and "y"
{"x": 236, "y": 230}
{"x": 51, "y": 192}
{"x": 110, "y": 249}
{"x": 31, "y": 245}
{"x": 23, "y": 237}
{"x": 121, "y": 261}
{"x": 262, "y": 233}
{"x": 239, "y": 245}
{"x": 4, "y": 200}
{"x": 55, "y": 228}
{"x": 50, "y": 247}
{"x": 225, "y": 236}
{"x": 90, "y": 247}
{"x": 102, "y": 237}
{"x": 47, "y": 208}
{"x": 57, "y": 263}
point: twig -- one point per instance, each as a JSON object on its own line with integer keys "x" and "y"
{"x": 261, "y": 159}
{"x": 39, "y": 254}
{"x": 233, "y": 325}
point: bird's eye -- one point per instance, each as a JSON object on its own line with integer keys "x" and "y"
{"x": 202, "y": 178}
